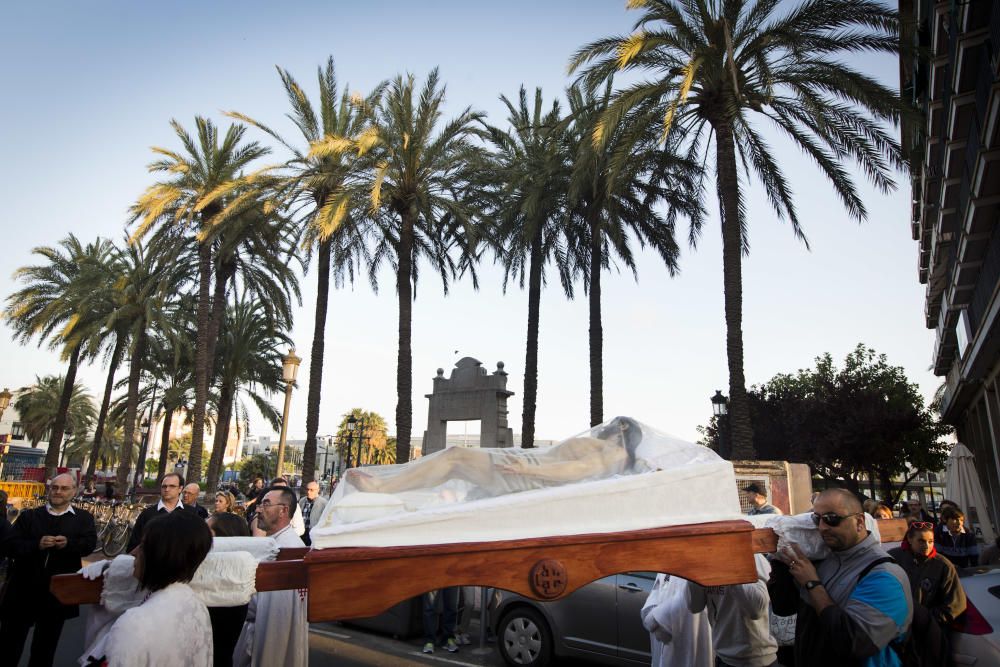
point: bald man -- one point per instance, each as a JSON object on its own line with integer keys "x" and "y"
{"x": 45, "y": 541}
{"x": 190, "y": 499}
{"x": 855, "y": 606}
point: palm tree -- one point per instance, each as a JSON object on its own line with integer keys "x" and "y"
{"x": 370, "y": 438}
{"x": 714, "y": 66}
{"x": 529, "y": 217}
{"x": 249, "y": 361}
{"x": 40, "y": 411}
{"x": 54, "y": 307}
{"x": 197, "y": 199}
{"x": 416, "y": 191}
{"x": 612, "y": 201}
{"x": 326, "y": 186}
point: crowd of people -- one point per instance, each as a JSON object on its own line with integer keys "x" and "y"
{"x": 858, "y": 605}
{"x": 169, "y": 541}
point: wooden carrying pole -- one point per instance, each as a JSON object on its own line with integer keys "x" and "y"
{"x": 350, "y": 582}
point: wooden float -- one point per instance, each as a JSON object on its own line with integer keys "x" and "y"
{"x": 351, "y": 582}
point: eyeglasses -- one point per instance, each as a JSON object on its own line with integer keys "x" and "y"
{"x": 922, "y": 525}
{"x": 831, "y": 518}
{"x": 169, "y": 486}
{"x": 55, "y": 487}
{"x": 268, "y": 503}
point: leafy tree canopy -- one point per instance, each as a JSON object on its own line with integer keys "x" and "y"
{"x": 863, "y": 419}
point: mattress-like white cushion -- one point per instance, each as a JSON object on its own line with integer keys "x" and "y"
{"x": 692, "y": 493}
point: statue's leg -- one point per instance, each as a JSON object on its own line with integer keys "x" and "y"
{"x": 471, "y": 465}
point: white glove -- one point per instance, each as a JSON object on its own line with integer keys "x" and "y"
{"x": 94, "y": 570}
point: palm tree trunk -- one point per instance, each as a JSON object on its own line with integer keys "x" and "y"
{"x": 131, "y": 410}
{"x": 221, "y": 436}
{"x": 95, "y": 450}
{"x": 727, "y": 179}
{"x": 202, "y": 360}
{"x": 596, "y": 328}
{"x": 404, "y": 361}
{"x": 168, "y": 417}
{"x": 56, "y": 436}
{"x": 531, "y": 351}
{"x": 316, "y": 364}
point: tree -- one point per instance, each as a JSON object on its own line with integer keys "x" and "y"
{"x": 53, "y": 306}
{"x": 40, "y": 410}
{"x": 713, "y": 66}
{"x": 196, "y": 200}
{"x": 863, "y": 420}
{"x": 249, "y": 362}
{"x": 418, "y": 197}
{"x": 528, "y": 210}
{"x": 370, "y": 438}
{"x": 326, "y": 184}
{"x": 612, "y": 201}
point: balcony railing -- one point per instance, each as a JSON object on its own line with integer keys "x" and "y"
{"x": 989, "y": 276}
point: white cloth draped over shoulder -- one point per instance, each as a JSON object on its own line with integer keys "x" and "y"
{"x": 225, "y": 579}
{"x": 169, "y": 628}
{"x": 676, "y": 636}
{"x": 608, "y": 479}
{"x": 276, "y": 631}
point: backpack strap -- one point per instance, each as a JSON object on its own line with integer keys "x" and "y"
{"x": 872, "y": 565}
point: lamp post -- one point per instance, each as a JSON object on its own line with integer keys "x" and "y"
{"x": 352, "y": 423}
{"x": 361, "y": 437}
{"x": 720, "y": 409}
{"x": 289, "y": 369}
{"x": 141, "y": 467}
{"x": 5, "y": 397}
{"x": 267, "y": 463}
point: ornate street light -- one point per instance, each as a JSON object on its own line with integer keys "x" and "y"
{"x": 720, "y": 404}
{"x": 289, "y": 369}
{"x": 267, "y": 463}
{"x": 5, "y": 397}
{"x": 352, "y": 423}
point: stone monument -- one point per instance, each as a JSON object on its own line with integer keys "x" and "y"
{"x": 470, "y": 393}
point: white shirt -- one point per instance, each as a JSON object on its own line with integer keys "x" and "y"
{"x": 69, "y": 508}
{"x": 676, "y": 636}
{"x": 138, "y": 639}
{"x": 161, "y": 506}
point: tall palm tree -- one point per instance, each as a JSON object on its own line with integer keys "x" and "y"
{"x": 418, "y": 197}
{"x": 614, "y": 201}
{"x": 53, "y": 306}
{"x": 171, "y": 354}
{"x": 149, "y": 281}
{"x": 325, "y": 186}
{"x": 530, "y": 227}
{"x": 197, "y": 199}
{"x": 716, "y": 65}
{"x": 39, "y": 410}
{"x": 249, "y": 361}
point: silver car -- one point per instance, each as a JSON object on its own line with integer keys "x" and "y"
{"x": 599, "y": 622}
{"x": 975, "y": 635}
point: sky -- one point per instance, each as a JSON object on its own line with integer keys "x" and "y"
{"x": 89, "y": 87}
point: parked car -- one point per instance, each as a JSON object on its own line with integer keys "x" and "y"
{"x": 975, "y": 637}
{"x": 599, "y": 622}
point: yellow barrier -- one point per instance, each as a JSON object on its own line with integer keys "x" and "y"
{"x": 24, "y": 490}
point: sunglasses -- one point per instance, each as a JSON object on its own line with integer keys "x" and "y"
{"x": 831, "y": 519}
{"x": 922, "y": 525}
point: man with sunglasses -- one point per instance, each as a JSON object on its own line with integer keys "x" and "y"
{"x": 854, "y": 607}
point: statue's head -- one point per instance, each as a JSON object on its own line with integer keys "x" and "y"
{"x": 630, "y": 433}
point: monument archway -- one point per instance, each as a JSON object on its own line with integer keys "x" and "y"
{"x": 470, "y": 393}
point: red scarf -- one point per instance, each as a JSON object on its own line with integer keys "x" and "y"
{"x": 906, "y": 547}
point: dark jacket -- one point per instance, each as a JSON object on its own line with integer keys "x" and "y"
{"x": 934, "y": 584}
{"x": 32, "y": 568}
{"x": 867, "y": 617}
{"x": 962, "y": 549}
{"x": 144, "y": 518}
{"x": 199, "y": 510}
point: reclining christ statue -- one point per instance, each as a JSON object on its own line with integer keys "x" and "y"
{"x": 498, "y": 471}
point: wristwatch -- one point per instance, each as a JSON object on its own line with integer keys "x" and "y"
{"x": 813, "y": 584}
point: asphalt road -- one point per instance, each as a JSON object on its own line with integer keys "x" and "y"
{"x": 330, "y": 644}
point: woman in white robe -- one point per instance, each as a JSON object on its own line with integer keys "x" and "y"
{"x": 676, "y": 636}
{"x": 171, "y": 626}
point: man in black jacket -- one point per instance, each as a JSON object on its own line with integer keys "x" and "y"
{"x": 45, "y": 541}
{"x": 170, "y": 500}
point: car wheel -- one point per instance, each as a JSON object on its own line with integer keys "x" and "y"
{"x": 524, "y": 639}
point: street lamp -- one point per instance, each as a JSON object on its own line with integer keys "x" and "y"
{"x": 5, "y": 397}
{"x": 140, "y": 468}
{"x": 720, "y": 408}
{"x": 352, "y": 423}
{"x": 267, "y": 463}
{"x": 289, "y": 369}
{"x": 361, "y": 439}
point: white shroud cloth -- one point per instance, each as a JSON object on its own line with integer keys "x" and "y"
{"x": 676, "y": 636}
{"x": 276, "y": 631}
